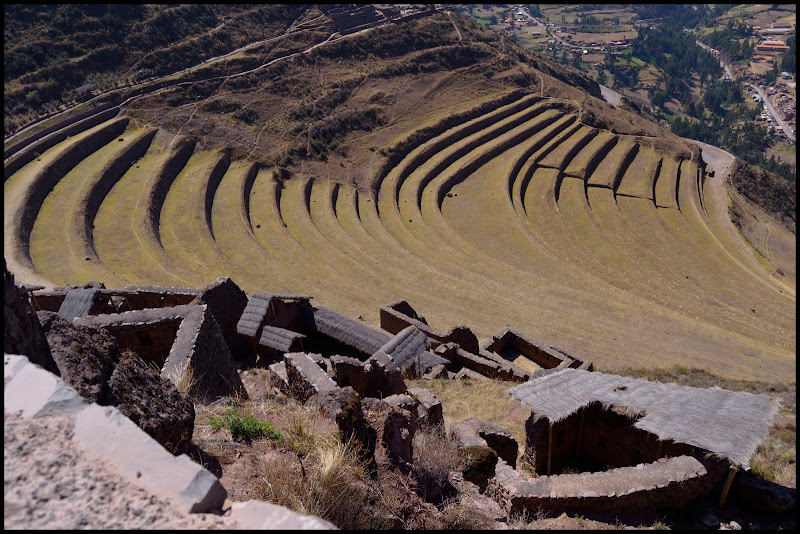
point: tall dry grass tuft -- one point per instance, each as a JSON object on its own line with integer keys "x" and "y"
{"x": 327, "y": 479}
{"x": 435, "y": 456}
{"x": 183, "y": 377}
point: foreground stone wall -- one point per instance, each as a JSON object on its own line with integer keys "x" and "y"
{"x": 668, "y": 484}
{"x": 149, "y": 333}
{"x": 200, "y": 347}
{"x": 607, "y": 439}
{"x": 399, "y": 315}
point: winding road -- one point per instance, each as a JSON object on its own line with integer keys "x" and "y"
{"x": 786, "y": 128}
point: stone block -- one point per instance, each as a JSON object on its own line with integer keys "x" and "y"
{"x": 385, "y": 378}
{"x": 153, "y": 403}
{"x": 260, "y": 515}
{"x": 86, "y": 356}
{"x": 22, "y": 332}
{"x": 226, "y": 302}
{"x": 199, "y": 346}
{"x": 343, "y": 405}
{"x": 349, "y": 371}
{"x": 428, "y": 409}
{"x": 105, "y": 431}
{"x": 35, "y": 391}
{"x": 399, "y": 428}
{"x": 305, "y": 377}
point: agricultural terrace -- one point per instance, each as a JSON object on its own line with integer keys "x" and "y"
{"x": 610, "y": 245}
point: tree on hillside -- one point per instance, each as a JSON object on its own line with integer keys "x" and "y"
{"x": 789, "y": 61}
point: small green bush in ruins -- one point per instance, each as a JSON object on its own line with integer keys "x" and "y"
{"x": 243, "y": 426}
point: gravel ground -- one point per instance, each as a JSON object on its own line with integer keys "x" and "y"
{"x": 49, "y": 483}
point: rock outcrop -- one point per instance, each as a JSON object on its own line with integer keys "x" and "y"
{"x": 86, "y": 356}
{"x": 22, "y": 333}
{"x": 153, "y": 403}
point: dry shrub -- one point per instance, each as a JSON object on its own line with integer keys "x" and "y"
{"x": 183, "y": 377}
{"x": 435, "y": 456}
{"x": 328, "y": 481}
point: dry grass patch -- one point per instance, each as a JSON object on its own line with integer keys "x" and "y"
{"x": 487, "y": 400}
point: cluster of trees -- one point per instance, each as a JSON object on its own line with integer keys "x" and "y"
{"x": 736, "y": 132}
{"x": 733, "y": 40}
{"x": 789, "y": 61}
{"x": 678, "y": 57}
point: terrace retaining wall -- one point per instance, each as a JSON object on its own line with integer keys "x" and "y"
{"x": 111, "y": 174}
{"x": 98, "y": 114}
{"x": 669, "y": 483}
{"x": 45, "y": 180}
{"x": 158, "y": 192}
{"x": 48, "y": 141}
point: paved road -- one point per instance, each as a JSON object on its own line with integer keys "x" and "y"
{"x": 610, "y": 96}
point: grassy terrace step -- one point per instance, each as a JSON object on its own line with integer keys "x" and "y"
{"x": 640, "y": 176}
{"x": 390, "y": 215}
{"x": 230, "y": 223}
{"x": 328, "y": 239}
{"x": 26, "y": 153}
{"x": 541, "y": 217}
{"x": 699, "y": 278}
{"x": 562, "y": 155}
{"x": 461, "y": 154}
{"x": 614, "y": 164}
{"x": 125, "y": 233}
{"x": 185, "y": 227}
{"x": 26, "y": 190}
{"x": 504, "y": 156}
{"x": 330, "y": 266}
{"x": 666, "y": 190}
{"x": 406, "y": 275}
{"x": 542, "y": 152}
{"x": 689, "y": 201}
{"x": 534, "y": 117}
{"x": 463, "y": 138}
{"x": 423, "y": 152}
{"x": 444, "y": 176}
{"x": 297, "y": 270}
{"x": 79, "y": 194}
{"x": 669, "y": 286}
{"x": 591, "y": 155}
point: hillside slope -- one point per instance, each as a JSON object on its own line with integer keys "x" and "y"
{"x": 429, "y": 160}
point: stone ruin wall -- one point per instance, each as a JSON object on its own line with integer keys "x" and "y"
{"x": 400, "y": 315}
{"x": 607, "y": 439}
{"x": 660, "y": 495}
{"x": 200, "y": 341}
{"x": 148, "y": 333}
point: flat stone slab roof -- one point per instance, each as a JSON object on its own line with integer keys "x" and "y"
{"x": 730, "y": 424}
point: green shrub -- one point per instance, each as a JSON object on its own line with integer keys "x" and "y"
{"x": 243, "y": 426}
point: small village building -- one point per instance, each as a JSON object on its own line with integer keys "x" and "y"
{"x": 85, "y": 89}
{"x": 772, "y": 46}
